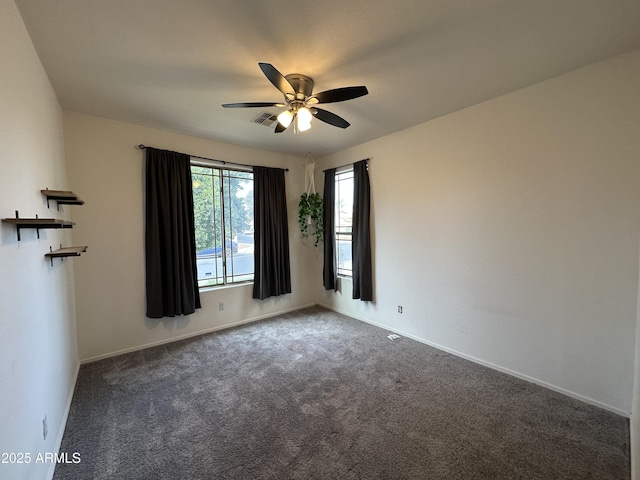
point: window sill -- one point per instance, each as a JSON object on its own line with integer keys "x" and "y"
{"x": 214, "y": 288}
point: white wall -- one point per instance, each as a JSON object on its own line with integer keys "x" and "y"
{"x": 508, "y": 231}
{"x": 38, "y": 355}
{"x": 106, "y": 170}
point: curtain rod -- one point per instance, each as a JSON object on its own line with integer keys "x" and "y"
{"x": 366, "y": 160}
{"x": 142, "y": 147}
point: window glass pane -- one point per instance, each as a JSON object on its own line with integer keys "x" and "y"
{"x": 223, "y": 213}
{"x": 344, "y": 217}
{"x": 238, "y": 213}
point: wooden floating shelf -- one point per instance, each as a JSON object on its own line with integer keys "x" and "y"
{"x": 62, "y": 197}
{"x": 37, "y": 223}
{"x": 65, "y": 252}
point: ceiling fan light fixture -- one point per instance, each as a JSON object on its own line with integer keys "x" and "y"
{"x": 304, "y": 115}
{"x": 285, "y": 118}
{"x": 303, "y": 119}
{"x": 303, "y": 126}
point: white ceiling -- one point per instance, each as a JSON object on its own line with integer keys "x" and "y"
{"x": 172, "y": 63}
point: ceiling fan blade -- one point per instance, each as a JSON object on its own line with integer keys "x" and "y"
{"x": 277, "y": 78}
{"x": 279, "y": 128}
{"x": 340, "y": 94}
{"x": 331, "y": 118}
{"x": 252, "y": 104}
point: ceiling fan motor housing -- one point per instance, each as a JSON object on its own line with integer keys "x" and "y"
{"x": 302, "y": 84}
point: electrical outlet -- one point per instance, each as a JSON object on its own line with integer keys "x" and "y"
{"x": 220, "y": 306}
{"x": 399, "y": 308}
{"x": 45, "y": 428}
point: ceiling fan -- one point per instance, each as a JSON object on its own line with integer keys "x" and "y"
{"x": 300, "y": 100}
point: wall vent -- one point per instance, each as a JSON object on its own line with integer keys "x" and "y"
{"x": 267, "y": 119}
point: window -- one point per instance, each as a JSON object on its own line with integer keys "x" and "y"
{"x": 344, "y": 221}
{"x": 223, "y": 212}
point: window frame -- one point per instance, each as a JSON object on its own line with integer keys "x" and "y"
{"x": 226, "y": 256}
{"x": 343, "y": 174}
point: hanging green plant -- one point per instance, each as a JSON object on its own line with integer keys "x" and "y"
{"x": 310, "y": 216}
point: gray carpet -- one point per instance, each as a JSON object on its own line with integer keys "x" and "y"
{"x": 317, "y": 395}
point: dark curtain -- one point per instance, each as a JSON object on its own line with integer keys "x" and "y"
{"x": 272, "y": 274}
{"x": 361, "y": 246}
{"x": 170, "y": 241}
{"x": 330, "y": 278}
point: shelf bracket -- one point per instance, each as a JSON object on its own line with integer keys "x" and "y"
{"x": 18, "y": 226}
{"x": 37, "y": 230}
{"x": 51, "y": 256}
{"x": 47, "y": 196}
{"x": 57, "y": 204}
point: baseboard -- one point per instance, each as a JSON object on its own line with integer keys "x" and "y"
{"x": 63, "y": 421}
{"x": 493, "y": 366}
{"x": 635, "y": 446}
{"x": 192, "y": 334}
